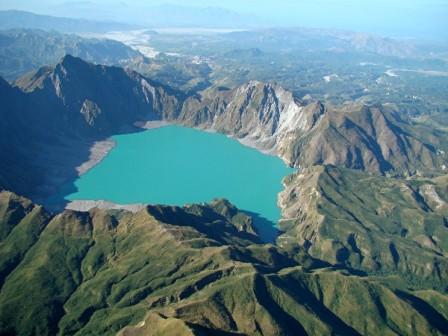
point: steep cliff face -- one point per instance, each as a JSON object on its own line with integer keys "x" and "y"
{"x": 259, "y": 114}
{"x": 95, "y": 99}
{"x": 50, "y": 121}
{"x": 370, "y": 223}
{"x": 58, "y": 112}
{"x": 369, "y": 138}
{"x": 78, "y": 98}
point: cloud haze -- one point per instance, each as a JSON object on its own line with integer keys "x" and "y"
{"x": 413, "y": 18}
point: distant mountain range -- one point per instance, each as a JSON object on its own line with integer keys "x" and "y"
{"x": 305, "y": 39}
{"x": 255, "y": 33}
{"x": 165, "y": 15}
{"x": 208, "y": 17}
{"x": 23, "y": 50}
{"x": 84, "y": 17}
{"x": 11, "y": 19}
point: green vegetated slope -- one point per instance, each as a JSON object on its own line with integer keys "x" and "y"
{"x": 196, "y": 270}
{"x": 370, "y": 223}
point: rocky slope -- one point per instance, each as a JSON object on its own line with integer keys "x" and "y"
{"x": 53, "y": 117}
{"x": 374, "y": 139}
{"x": 370, "y": 223}
{"x": 264, "y": 115}
{"x": 95, "y": 98}
{"x": 370, "y": 138}
{"x": 196, "y": 270}
{"x": 63, "y": 109}
{"x": 354, "y": 241}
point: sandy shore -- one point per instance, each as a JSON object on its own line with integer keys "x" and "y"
{"x": 100, "y": 149}
{"x": 248, "y": 142}
{"x": 88, "y": 205}
{"x": 151, "y": 124}
{"x": 98, "y": 152}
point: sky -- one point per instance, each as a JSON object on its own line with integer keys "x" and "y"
{"x": 404, "y": 18}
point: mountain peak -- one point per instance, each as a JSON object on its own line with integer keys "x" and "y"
{"x": 69, "y": 60}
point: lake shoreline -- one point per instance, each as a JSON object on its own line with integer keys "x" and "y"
{"x": 87, "y": 205}
{"x": 152, "y": 124}
{"x": 98, "y": 151}
{"x": 180, "y": 165}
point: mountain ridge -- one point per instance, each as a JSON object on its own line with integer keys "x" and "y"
{"x": 360, "y": 253}
{"x": 96, "y": 101}
{"x": 114, "y": 271}
{"x": 24, "y": 50}
{"x": 10, "y": 19}
{"x": 371, "y": 223}
{"x": 270, "y": 118}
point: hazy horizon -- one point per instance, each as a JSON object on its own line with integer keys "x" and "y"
{"x": 414, "y": 18}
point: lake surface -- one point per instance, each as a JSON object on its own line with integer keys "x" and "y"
{"x": 175, "y": 165}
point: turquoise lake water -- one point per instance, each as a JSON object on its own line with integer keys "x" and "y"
{"x": 175, "y": 165}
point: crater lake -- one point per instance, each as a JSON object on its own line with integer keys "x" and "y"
{"x": 174, "y": 165}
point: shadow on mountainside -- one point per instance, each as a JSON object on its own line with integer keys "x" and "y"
{"x": 57, "y": 163}
{"x": 432, "y": 315}
{"x": 265, "y": 228}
